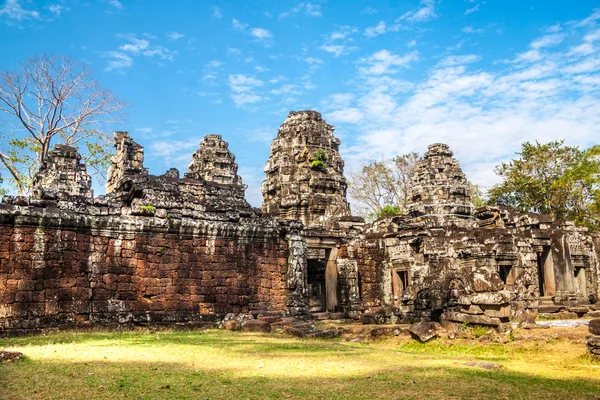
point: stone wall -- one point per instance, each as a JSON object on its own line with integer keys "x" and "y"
{"x": 62, "y": 268}
{"x": 156, "y": 249}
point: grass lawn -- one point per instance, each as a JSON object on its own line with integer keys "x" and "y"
{"x": 225, "y": 365}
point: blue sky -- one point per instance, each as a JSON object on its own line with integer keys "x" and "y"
{"x": 392, "y": 76}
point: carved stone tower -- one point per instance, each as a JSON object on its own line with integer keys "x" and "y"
{"x": 213, "y": 166}
{"x": 305, "y": 179}
{"x": 62, "y": 174}
{"x": 213, "y": 162}
{"x": 440, "y": 192}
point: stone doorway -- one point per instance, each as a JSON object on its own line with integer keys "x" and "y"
{"x": 400, "y": 282}
{"x": 545, "y": 266}
{"x": 581, "y": 280}
{"x": 322, "y": 280}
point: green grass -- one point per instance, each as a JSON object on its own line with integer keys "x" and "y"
{"x": 224, "y": 365}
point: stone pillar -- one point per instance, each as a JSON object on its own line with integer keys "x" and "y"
{"x": 62, "y": 174}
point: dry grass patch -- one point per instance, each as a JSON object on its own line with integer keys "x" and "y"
{"x": 226, "y": 365}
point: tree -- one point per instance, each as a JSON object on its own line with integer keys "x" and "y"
{"x": 552, "y": 178}
{"x": 52, "y": 98}
{"x": 383, "y": 185}
{"x": 477, "y": 194}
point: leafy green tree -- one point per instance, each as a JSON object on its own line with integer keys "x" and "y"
{"x": 48, "y": 99}
{"x": 552, "y": 178}
{"x": 477, "y": 195}
{"x": 382, "y": 184}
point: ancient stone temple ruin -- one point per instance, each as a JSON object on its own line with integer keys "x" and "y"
{"x": 188, "y": 250}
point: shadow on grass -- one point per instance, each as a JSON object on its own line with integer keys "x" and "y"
{"x": 33, "y": 379}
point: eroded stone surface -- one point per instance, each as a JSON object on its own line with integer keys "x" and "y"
{"x": 293, "y": 189}
{"x": 62, "y": 175}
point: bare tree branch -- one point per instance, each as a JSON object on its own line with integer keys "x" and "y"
{"x": 53, "y": 98}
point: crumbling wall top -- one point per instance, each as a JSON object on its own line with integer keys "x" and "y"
{"x": 62, "y": 174}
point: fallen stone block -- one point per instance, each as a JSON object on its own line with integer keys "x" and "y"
{"x": 489, "y": 298}
{"x": 270, "y": 319}
{"x": 256, "y": 326}
{"x": 497, "y": 311}
{"x": 472, "y": 319}
{"x": 326, "y": 334}
{"x": 530, "y": 325}
{"x": 232, "y": 325}
{"x": 290, "y": 330}
{"x": 372, "y": 318}
{"x": 593, "y": 314}
{"x": 594, "y": 327}
{"x": 380, "y": 332}
{"x": 9, "y": 356}
{"x": 423, "y": 331}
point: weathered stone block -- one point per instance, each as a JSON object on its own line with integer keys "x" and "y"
{"x": 256, "y": 326}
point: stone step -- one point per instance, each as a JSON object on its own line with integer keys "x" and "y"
{"x": 550, "y": 308}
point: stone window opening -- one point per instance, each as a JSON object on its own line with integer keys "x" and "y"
{"x": 506, "y": 272}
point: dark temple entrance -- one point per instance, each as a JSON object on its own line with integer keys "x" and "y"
{"x": 322, "y": 279}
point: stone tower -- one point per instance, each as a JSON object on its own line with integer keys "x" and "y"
{"x": 127, "y": 161}
{"x": 440, "y": 192}
{"x": 214, "y": 169}
{"x": 305, "y": 179}
{"x": 213, "y": 162}
{"x": 62, "y": 174}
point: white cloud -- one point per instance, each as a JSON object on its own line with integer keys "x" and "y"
{"x": 337, "y": 101}
{"x": 589, "y": 20}
{"x": 217, "y": 13}
{"x": 384, "y": 62}
{"x": 548, "y": 41}
{"x": 310, "y": 9}
{"x": 470, "y": 29}
{"x": 338, "y": 49}
{"x": 412, "y": 43}
{"x": 472, "y": 9}
{"x": 243, "y": 87}
{"x": 175, "y": 35}
{"x": 425, "y": 12}
{"x": 342, "y": 33}
{"x": 593, "y": 36}
{"x": 136, "y": 45}
{"x": 13, "y": 10}
{"x": 56, "y": 9}
{"x": 484, "y": 114}
{"x": 350, "y": 115}
{"x": 123, "y": 57}
{"x": 115, "y": 4}
{"x": 260, "y": 34}
{"x": 458, "y": 60}
{"x": 379, "y": 29}
{"x": 118, "y": 61}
